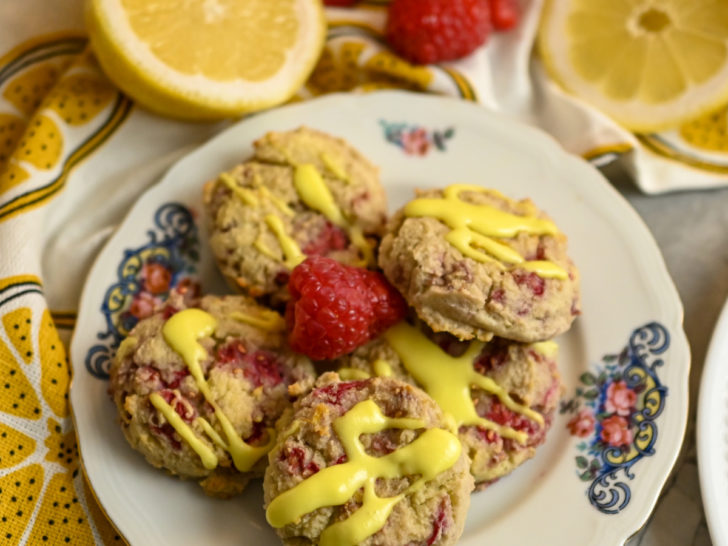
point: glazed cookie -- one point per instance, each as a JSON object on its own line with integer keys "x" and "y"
{"x": 303, "y": 193}
{"x": 366, "y": 462}
{"x": 475, "y": 264}
{"x": 502, "y": 394}
{"x": 198, "y": 389}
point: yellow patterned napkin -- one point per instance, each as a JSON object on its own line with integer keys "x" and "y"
{"x": 75, "y": 154}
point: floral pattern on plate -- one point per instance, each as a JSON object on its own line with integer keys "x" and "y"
{"x": 615, "y": 411}
{"x": 145, "y": 277}
{"x": 415, "y": 139}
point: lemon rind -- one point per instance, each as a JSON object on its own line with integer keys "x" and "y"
{"x": 637, "y": 126}
{"x": 180, "y": 102}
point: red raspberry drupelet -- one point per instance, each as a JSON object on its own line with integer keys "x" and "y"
{"x": 335, "y": 308}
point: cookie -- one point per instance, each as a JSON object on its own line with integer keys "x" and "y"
{"x": 199, "y": 388}
{"x": 303, "y": 193}
{"x": 366, "y": 462}
{"x": 475, "y": 263}
{"x": 501, "y": 394}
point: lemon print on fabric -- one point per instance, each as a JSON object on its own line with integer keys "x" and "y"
{"x": 11, "y": 129}
{"x": 61, "y": 518}
{"x": 11, "y": 175}
{"x": 55, "y": 375}
{"x": 78, "y": 98}
{"x": 386, "y": 65}
{"x": 42, "y": 143}
{"x": 342, "y": 67}
{"x": 336, "y": 72}
{"x": 17, "y": 395}
{"x": 62, "y": 448}
{"x": 17, "y": 325}
{"x": 649, "y": 64}
{"x": 27, "y": 90}
{"x": 19, "y": 493}
{"x": 708, "y": 132}
{"x": 15, "y": 446}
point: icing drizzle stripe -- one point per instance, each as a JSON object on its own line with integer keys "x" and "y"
{"x": 432, "y": 453}
{"x": 448, "y": 379}
{"x": 474, "y": 228}
{"x": 182, "y": 333}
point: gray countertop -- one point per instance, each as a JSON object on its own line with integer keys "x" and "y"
{"x": 691, "y": 229}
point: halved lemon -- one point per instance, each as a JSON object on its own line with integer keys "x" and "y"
{"x": 649, "y": 64}
{"x": 207, "y": 59}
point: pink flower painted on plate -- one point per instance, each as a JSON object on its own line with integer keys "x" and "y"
{"x": 416, "y": 141}
{"x": 156, "y": 278}
{"x": 143, "y": 305}
{"x": 582, "y": 424}
{"x": 615, "y": 431}
{"x": 620, "y": 399}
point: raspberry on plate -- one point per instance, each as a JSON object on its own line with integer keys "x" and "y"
{"x": 504, "y": 13}
{"x": 431, "y": 31}
{"x": 335, "y": 308}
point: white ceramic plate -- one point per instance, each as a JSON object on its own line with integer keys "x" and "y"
{"x": 624, "y": 363}
{"x": 712, "y": 432}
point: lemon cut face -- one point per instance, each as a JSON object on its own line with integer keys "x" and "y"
{"x": 649, "y": 64}
{"x": 207, "y": 58}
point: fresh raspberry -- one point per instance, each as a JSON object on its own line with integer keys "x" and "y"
{"x": 431, "y": 31}
{"x": 335, "y": 308}
{"x": 504, "y": 13}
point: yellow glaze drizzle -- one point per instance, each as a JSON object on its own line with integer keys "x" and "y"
{"x": 182, "y": 332}
{"x": 127, "y": 345}
{"x": 448, "y": 379}
{"x": 263, "y": 249}
{"x": 334, "y": 168}
{"x": 277, "y": 201}
{"x": 473, "y": 228}
{"x": 313, "y": 191}
{"x": 211, "y": 432}
{"x": 382, "y": 368}
{"x": 291, "y": 250}
{"x": 315, "y": 194}
{"x": 549, "y": 349}
{"x": 265, "y": 319}
{"x": 207, "y": 456}
{"x": 433, "y": 452}
{"x": 246, "y": 195}
{"x": 351, "y": 374}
